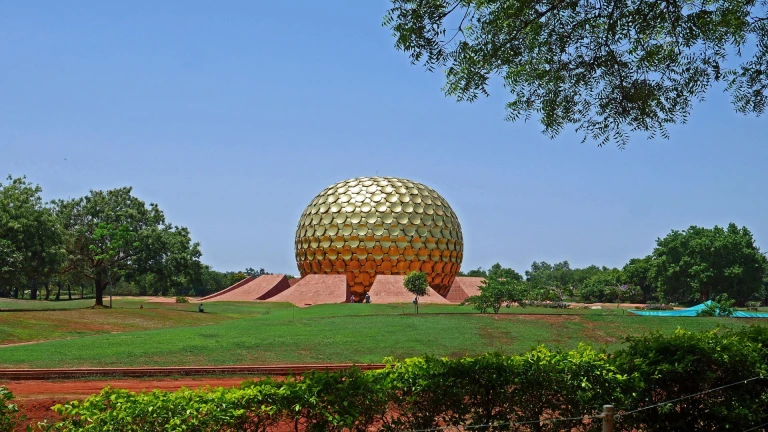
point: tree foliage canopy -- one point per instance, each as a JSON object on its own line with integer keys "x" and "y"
{"x": 637, "y": 272}
{"x": 31, "y": 241}
{"x": 112, "y": 235}
{"x": 416, "y": 283}
{"x": 503, "y": 286}
{"x": 700, "y": 263}
{"x": 607, "y": 67}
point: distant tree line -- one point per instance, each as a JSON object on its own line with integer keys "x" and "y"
{"x": 688, "y": 266}
{"x": 82, "y": 246}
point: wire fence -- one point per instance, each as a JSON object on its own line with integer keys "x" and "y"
{"x": 607, "y": 415}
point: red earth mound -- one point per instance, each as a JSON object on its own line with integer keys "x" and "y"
{"x": 390, "y": 289}
{"x": 316, "y": 289}
{"x": 261, "y": 288}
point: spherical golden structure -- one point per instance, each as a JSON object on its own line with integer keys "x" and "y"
{"x": 367, "y": 226}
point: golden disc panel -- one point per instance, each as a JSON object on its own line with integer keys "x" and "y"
{"x": 379, "y": 225}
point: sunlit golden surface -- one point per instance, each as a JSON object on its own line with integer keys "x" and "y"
{"x": 379, "y": 225}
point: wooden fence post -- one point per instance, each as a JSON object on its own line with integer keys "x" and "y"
{"x": 607, "y": 418}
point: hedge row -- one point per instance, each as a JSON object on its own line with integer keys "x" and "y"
{"x": 428, "y": 392}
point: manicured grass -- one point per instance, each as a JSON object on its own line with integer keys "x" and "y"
{"x": 37, "y": 325}
{"x": 268, "y": 333}
{"x": 14, "y": 304}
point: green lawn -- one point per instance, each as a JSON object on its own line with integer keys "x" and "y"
{"x": 34, "y": 321}
{"x": 267, "y": 333}
{"x": 14, "y": 304}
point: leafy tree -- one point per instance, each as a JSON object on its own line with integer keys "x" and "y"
{"x": 581, "y": 275}
{"x": 602, "y": 286}
{"x": 700, "y": 263}
{"x": 210, "y": 281}
{"x": 607, "y": 67}
{"x": 235, "y": 277}
{"x": 496, "y": 292}
{"x": 179, "y": 265}
{"x": 10, "y": 267}
{"x": 637, "y": 272}
{"x": 250, "y": 271}
{"x": 478, "y": 272}
{"x": 113, "y": 235}
{"x": 31, "y": 241}
{"x": 550, "y": 281}
{"x": 416, "y": 284}
{"x": 498, "y": 272}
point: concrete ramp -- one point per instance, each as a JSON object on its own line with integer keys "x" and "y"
{"x": 230, "y": 288}
{"x": 463, "y": 287}
{"x": 250, "y": 289}
{"x": 316, "y": 289}
{"x": 471, "y": 285}
{"x": 390, "y": 289}
{"x": 456, "y": 294}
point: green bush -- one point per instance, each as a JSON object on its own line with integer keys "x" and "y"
{"x": 545, "y": 304}
{"x": 657, "y": 306}
{"x": 721, "y": 307}
{"x": 430, "y": 392}
{"x": 181, "y": 299}
{"x": 9, "y": 412}
{"x": 668, "y": 367}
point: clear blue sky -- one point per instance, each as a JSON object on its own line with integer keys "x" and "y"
{"x": 233, "y": 115}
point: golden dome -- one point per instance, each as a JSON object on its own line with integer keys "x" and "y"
{"x": 379, "y": 225}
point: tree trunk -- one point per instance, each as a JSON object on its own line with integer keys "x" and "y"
{"x": 705, "y": 294}
{"x": 69, "y": 290}
{"x": 82, "y": 290}
{"x": 58, "y": 291}
{"x": 16, "y": 291}
{"x": 47, "y": 291}
{"x": 98, "y": 286}
{"x": 33, "y": 291}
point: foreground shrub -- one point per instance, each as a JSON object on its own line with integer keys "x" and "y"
{"x": 9, "y": 412}
{"x": 348, "y": 400}
{"x": 253, "y": 408}
{"x": 668, "y": 367}
{"x": 658, "y": 382}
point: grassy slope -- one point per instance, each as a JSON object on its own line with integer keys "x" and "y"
{"x": 265, "y": 333}
{"x": 32, "y": 321}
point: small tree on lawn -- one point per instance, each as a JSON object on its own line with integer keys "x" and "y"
{"x": 416, "y": 284}
{"x": 496, "y": 292}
